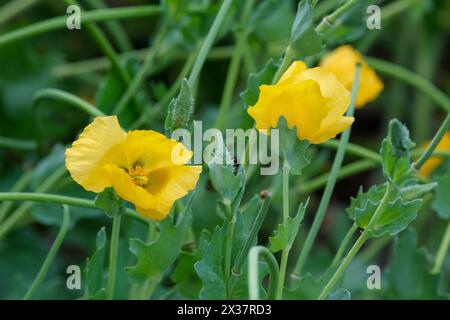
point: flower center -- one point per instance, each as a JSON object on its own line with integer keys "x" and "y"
{"x": 138, "y": 176}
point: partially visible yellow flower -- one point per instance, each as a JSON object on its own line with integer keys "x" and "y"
{"x": 342, "y": 63}
{"x": 143, "y": 167}
{"x": 313, "y": 100}
{"x": 435, "y": 161}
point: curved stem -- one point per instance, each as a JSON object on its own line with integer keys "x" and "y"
{"x": 57, "y": 199}
{"x": 209, "y": 40}
{"x": 65, "y": 97}
{"x": 113, "y": 255}
{"x": 326, "y": 197}
{"x": 288, "y": 57}
{"x": 17, "y": 215}
{"x": 358, "y": 244}
{"x": 411, "y": 78}
{"x": 442, "y": 251}
{"x": 51, "y": 254}
{"x": 20, "y": 184}
{"x": 344, "y": 244}
{"x": 253, "y": 272}
{"x": 89, "y": 16}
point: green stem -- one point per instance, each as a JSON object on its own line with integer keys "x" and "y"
{"x": 67, "y": 98}
{"x": 253, "y": 234}
{"x": 354, "y": 149}
{"x": 13, "y": 8}
{"x": 57, "y": 199}
{"x": 100, "y": 64}
{"x": 141, "y": 75}
{"x": 17, "y": 144}
{"x": 209, "y": 40}
{"x": 253, "y": 272}
{"x": 330, "y": 19}
{"x": 228, "y": 251}
{"x": 326, "y": 197}
{"x": 113, "y": 255}
{"x": 373, "y": 248}
{"x": 344, "y": 244}
{"x": 115, "y": 29}
{"x": 358, "y": 244}
{"x": 346, "y": 171}
{"x": 88, "y": 17}
{"x": 411, "y": 78}
{"x": 20, "y": 184}
{"x": 442, "y": 251}
{"x": 233, "y": 69}
{"x": 288, "y": 57}
{"x": 287, "y": 249}
{"x": 51, "y": 254}
{"x": 17, "y": 215}
{"x": 434, "y": 142}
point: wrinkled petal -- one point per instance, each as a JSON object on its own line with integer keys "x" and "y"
{"x": 98, "y": 144}
{"x": 342, "y": 63}
{"x": 125, "y": 188}
{"x": 152, "y": 150}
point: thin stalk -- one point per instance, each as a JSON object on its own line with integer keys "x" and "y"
{"x": 88, "y": 17}
{"x": 326, "y": 197}
{"x": 113, "y": 255}
{"x": 358, "y": 244}
{"x": 228, "y": 250}
{"x": 233, "y": 69}
{"x": 57, "y": 199}
{"x": 434, "y": 142}
{"x": 101, "y": 64}
{"x": 253, "y": 272}
{"x": 209, "y": 40}
{"x": 115, "y": 29}
{"x": 330, "y": 19}
{"x": 141, "y": 75}
{"x": 20, "y": 184}
{"x": 262, "y": 213}
{"x": 345, "y": 172}
{"x": 66, "y": 98}
{"x": 354, "y": 149}
{"x": 442, "y": 251}
{"x": 17, "y": 144}
{"x": 344, "y": 244}
{"x": 287, "y": 249}
{"x": 411, "y": 78}
{"x": 13, "y": 8}
{"x": 18, "y": 214}
{"x": 51, "y": 254}
{"x": 373, "y": 248}
{"x": 288, "y": 57}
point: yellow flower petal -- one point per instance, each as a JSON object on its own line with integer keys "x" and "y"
{"x": 152, "y": 150}
{"x": 313, "y": 100}
{"x": 168, "y": 185}
{"x": 435, "y": 161}
{"x": 126, "y": 189}
{"x": 97, "y": 145}
{"x": 342, "y": 63}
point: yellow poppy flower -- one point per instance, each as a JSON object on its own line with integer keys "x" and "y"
{"x": 435, "y": 161}
{"x": 313, "y": 100}
{"x": 143, "y": 167}
{"x": 342, "y": 63}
